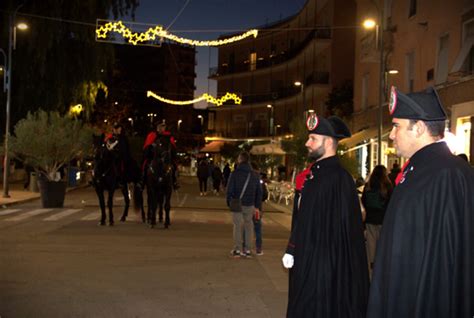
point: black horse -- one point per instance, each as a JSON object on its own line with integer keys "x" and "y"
{"x": 158, "y": 172}
{"x": 108, "y": 176}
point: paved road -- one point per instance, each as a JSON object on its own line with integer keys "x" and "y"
{"x": 59, "y": 263}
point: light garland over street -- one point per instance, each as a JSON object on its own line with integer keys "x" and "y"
{"x": 158, "y": 32}
{"x": 209, "y": 98}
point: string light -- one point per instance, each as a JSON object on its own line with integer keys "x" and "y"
{"x": 209, "y": 98}
{"x": 158, "y": 32}
{"x": 75, "y": 110}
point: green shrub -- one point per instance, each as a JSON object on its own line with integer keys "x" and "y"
{"x": 46, "y": 141}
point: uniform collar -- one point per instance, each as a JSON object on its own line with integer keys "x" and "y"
{"x": 325, "y": 163}
{"x": 427, "y": 152}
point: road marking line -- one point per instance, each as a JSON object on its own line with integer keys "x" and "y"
{"x": 184, "y": 200}
{"x": 28, "y": 214}
{"x": 62, "y": 214}
{"x": 91, "y": 216}
{"x": 9, "y": 211}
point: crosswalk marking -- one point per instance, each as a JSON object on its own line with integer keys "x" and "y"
{"x": 9, "y": 211}
{"x": 179, "y": 216}
{"x": 62, "y": 214}
{"x": 28, "y": 214}
{"x": 91, "y": 216}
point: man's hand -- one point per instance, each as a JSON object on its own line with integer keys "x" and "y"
{"x": 288, "y": 260}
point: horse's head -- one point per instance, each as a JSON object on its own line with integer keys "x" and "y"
{"x": 161, "y": 164}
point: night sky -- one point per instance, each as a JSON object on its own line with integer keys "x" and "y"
{"x": 207, "y": 19}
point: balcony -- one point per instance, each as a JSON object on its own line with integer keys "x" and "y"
{"x": 315, "y": 78}
{"x": 274, "y": 59}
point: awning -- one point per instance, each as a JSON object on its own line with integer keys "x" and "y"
{"x": 268, "y": 149}
{"x": 359, "y": 137}
{"x": 213, "y": 146}
{"x": 462, "y": 56}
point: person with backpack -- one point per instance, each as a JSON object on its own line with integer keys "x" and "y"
{"x": 375, "y": 198}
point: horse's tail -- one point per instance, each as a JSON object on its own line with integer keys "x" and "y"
{"x": 137, "y": 197}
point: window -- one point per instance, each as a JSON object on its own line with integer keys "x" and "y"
{"x": 443, "y": 51}
{"x": 412, "y": 8}
{"x": 365, "y": 92}
{"x": 410, "y": 71}
{"x": 253, "y": 61}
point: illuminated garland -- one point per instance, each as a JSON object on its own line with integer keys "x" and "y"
{"x": 205, "y": 96}
{"x": 158, "y": 32}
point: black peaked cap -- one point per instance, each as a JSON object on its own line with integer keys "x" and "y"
{"x": 425, "y": 105}
{"x": 332, "y": 126}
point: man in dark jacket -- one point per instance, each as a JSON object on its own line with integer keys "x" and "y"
{"x": 244, "y": 178}
{"x": 424, "y": 260}
{"x": 326, "y": 250}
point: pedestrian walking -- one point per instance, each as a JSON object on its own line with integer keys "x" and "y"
{"x": 244, "y": 183}
{"x": 203, "y": 174}
{"x": 326, "y": 248}
{"x": 424, "y": 259}
{"x": 216, "y": 179}
{"x": 226, "y": 173}
{"x": 375, "y": 198}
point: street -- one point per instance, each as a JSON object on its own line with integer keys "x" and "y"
{"x": 60, "y": 263}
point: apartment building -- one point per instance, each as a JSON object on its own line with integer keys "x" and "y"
{"x": 425, "y": 43}
{"x": 285, "y": 72}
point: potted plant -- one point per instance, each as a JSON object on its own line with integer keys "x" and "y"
{"x": 47, "y": 141}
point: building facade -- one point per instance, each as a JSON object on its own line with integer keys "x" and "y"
{"x": 286, "y": 71}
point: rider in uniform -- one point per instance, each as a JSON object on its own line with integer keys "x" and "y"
{"x": 152, "y": 139}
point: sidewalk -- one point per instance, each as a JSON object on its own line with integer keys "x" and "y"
{"x": 17, "y": 194}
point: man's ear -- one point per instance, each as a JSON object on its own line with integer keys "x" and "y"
{"x": 420, "y": 128}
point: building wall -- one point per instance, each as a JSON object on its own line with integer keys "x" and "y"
{"x": 304, "y": 48}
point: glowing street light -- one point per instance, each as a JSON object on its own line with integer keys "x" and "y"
{"x": 179, "y": 124}
{"x": 370, "y": 24}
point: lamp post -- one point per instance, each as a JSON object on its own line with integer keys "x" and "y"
{"x": 270, "y": 122}
{"x": 8, "y": 87}
{"x": 370, "y": 24}
{"x": 298, "y": 84}
{"x": 202, "y": 122}
{"x": 179, "y": 124}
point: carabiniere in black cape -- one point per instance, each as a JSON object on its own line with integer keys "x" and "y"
{"x": 423, "y": 265}
{"x": 330, "y": 272}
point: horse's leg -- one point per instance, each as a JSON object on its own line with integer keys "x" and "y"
{"x": 127, "y": 202}
{"x": 138, "y": 199}
{"x": 152, "y": 200}
{"x": 161, "y": 198}
{"x": 167, "y": 197}
{"x": 110, "y": 204}
{"x": 100, "y": 194}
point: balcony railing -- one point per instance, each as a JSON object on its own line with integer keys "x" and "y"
{"x": 274, "y": 59}
{"x": 319, "y": 77}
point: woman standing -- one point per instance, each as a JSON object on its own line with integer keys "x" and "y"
{"x": 375, "y": 199}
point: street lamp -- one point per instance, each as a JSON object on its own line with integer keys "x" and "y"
{"x": 270, "y": 122}
{"x": 202, "y": 122}
{"x": 371, "y": 24}
{"x": 179, "y": 124}
{"x": 298, "y": 84}
{"x": 276, "y": 128}
{"x": 8, "y": 87}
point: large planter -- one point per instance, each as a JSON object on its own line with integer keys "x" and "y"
{"x": 52, "y": 193}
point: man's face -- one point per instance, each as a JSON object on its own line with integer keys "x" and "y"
{"x": 117, "y": 130}
{"x": 315, "y": 146}
{"x": 403, "y": 137}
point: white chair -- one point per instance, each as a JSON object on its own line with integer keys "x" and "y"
{"x": 286, "y": 192}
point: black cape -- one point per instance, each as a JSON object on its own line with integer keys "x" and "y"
{"x": 330, "y": 273}
{"x": 423, "y": 265}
